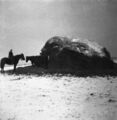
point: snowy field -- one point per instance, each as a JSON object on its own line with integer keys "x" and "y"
{"x": 57, "y": 97}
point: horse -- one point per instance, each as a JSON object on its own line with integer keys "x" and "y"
{"x": 14, "y": 61}
{"x": 39, "y": 61}
{"x": 33, "y": 59}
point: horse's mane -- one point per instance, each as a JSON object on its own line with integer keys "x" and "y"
{"x": 18, "y": 55}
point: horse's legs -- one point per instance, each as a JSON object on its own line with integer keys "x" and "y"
{"x": 32, "y": 62}
{"x": 2, "y": 68}
{"x": 14, "y": 68}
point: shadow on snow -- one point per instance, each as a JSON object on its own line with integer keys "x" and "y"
{"x": 33, "y": 70}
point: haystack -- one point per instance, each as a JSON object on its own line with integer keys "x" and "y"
{"x": 76, "y": 54}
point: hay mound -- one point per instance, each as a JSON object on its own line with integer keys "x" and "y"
{"x": 76, "y": 54}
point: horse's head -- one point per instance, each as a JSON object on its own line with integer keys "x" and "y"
{"x": 22, "y": 57}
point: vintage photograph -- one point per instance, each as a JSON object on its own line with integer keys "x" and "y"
{"x": 58, "y": 60}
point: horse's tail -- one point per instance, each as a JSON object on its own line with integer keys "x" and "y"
{"x": 0, "y": 66}
{"x": 0, "y": 63}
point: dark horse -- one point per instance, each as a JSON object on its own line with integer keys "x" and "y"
{"x": 39, "y": 61}
{"x": 33, "y": 59}
{"x": 14, "y": 61}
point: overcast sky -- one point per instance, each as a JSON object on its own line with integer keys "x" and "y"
{"x": 25, "y": 25}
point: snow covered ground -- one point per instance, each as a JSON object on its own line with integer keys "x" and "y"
{"x": 47, "y": 97}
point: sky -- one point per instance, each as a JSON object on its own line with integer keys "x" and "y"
{"x": 25, "y": 25}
